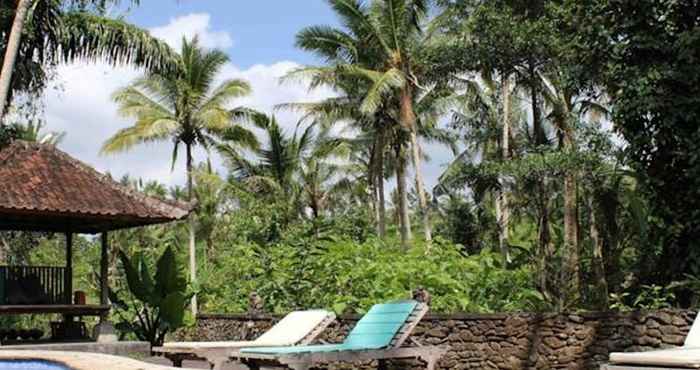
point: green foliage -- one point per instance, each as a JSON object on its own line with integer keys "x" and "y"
{"x": 7, "y": 135}
{"x": 464, "y": 224}
{"x": 648, "y": 298}
{"x": 348, "y": 276}
{"x": 340, "y": 265}
{"x": 654, "y": 80}
{"x": 155, "y": 303}
{"x": 689, "y": 285}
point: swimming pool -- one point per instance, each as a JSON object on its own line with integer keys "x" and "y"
{"x": 64, "y": 360}
{"x": 30, "y": 365}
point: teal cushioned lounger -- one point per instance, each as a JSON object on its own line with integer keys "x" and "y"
{"x": 375, "y": 330}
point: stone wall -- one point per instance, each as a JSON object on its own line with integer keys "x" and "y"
{"x": 499, "y": 341}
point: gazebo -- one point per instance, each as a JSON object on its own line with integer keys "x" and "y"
{"x": 44, "y": 189}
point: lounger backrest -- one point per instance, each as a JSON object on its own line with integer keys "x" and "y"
{"x": 381, "y": 325}
{"x": 693, "y": 338}
{"x": 298, "y": 327}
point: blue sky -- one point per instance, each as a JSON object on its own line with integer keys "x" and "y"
{"x": 262, "y": 30}
{"x": 258, "y": 35}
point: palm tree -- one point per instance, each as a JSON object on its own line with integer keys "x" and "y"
{"x": 322, "y": 173}
{"x": 566, "y": 108}
{"x": 276, "y": 163}
{"x": 41, "y": 34}
{"x": 371, "y": 135}
{"x": 183, "y": 107}
{"x": 378, "y": 48}
{"x": 485, "y": 109}
{"x": 32, "y": 132}
{"x": 8, "y": 63}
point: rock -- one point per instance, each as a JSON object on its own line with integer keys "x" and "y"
{"x": 649, "y": 341}
{"x": 663, "y": 317}
{"x": 553, "y": 343}
{"x": 437, "y": 332}
{"x": 678, "y": 321}
{"x": 670, "y": 330}
{"x": 675, "y": 340}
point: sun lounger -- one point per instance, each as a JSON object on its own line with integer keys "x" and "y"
{"x": 379, "y": 335}
{"x": 684, "y": 357}
{"x": 297, "y": 328}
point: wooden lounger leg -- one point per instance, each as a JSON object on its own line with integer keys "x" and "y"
{"x": 430, "y": 361}
{"x": 217, "y": 362}
{"x": 252, "y": 365}
{"x": 175, "y": 359}
{"x": 216, "y": 365}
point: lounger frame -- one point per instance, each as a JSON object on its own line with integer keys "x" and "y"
{"x": 641, "y": 367}
{"x": 217, "y": 356}
{"x": 303, "y": 361}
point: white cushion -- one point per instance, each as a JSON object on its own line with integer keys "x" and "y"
{"x": 682, "y": 357}
{"x": 687, "y": 356}
{"x": 693, "y": 338}
{"x": 287, "y": 332}
{"x": 293, "y": 328}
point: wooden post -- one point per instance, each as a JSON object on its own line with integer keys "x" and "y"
{"x": 69, "y": 269}
{"x": 104, "y": 270}
{"x": 104, "y": 332}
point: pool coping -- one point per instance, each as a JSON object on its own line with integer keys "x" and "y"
{"x": 81, "y": 360}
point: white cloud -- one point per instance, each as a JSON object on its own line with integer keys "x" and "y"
{"x": 80, "y": 104}
{"x": 269, "y": 92}
{"x": 188, "y": 26}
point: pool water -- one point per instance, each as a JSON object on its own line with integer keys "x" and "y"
{"x": 30, "y": 365}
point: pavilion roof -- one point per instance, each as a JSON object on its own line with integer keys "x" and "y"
{"x": 45, "y": 189}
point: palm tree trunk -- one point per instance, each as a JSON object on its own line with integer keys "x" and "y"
{"x": 544, "y": 250}
{"x": 13, "y": 43}
{"x": 404, "y": 218}
{"x": 504, "y": 219}
{"x": 374, "y": 200}
{"x": 408, "y": 121}
{"x": 570, "y": 270}
{"x": 420, "y": 188}
{"x": 537, "y": 129}
{"x": 597, "y": 263}
{"x": 379, "y": 182}
{"x": 192, "y": 244}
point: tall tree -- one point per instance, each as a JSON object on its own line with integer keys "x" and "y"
{"x": 8, "y": 63}
{"x": 184, "y": 107}
{"x": 378, "y": 45}
{"x": 62, "y": 31}
{"x": 643, "y": 53}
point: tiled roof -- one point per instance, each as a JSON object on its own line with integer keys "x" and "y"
{"x": 43, "y": 187}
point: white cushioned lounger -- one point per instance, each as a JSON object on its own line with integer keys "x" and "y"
{"x": 298, "y": 327}
{"x": 684, "y": 357}
{"x": 681, "y": 357}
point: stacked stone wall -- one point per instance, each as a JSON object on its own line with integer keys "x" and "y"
{"x": 497, "y": 341}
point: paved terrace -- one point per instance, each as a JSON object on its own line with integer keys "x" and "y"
{"x": 82, "y": 360}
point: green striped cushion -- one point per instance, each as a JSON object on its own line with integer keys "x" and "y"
{"x": 375, "y": 330}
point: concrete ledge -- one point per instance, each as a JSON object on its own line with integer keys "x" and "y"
{"x": 134, "y": 349}
{"x": 82, "y": 360}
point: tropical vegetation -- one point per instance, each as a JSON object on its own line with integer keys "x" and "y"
{"x": 573, "y": 183}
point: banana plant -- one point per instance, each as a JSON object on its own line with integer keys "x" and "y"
{"x": 155, "y": 303}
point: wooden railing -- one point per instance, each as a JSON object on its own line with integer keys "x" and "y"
{"x": 34, "y": 285}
